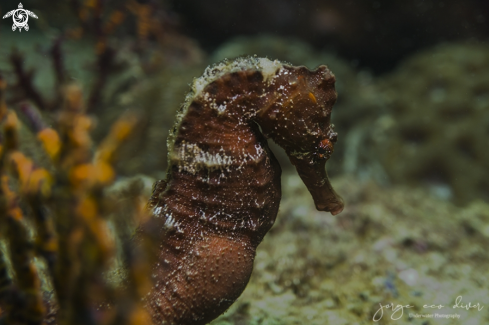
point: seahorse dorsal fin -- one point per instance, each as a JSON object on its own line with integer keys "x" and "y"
{"x": 158, "y": 188}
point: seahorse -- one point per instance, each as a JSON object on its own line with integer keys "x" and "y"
{"x": 222, "y": 191}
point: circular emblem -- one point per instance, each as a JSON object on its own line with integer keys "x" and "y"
{"x": 20, "y": 17}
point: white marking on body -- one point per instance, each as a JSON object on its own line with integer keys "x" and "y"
{"x": 267, "y": 67}
{"x": 189, "y": 157}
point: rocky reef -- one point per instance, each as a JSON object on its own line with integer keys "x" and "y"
{"x": 431, "y": 123}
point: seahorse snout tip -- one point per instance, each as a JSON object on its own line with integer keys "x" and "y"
{"x": 325, "y": 197}
{"x": 334, "y": 208}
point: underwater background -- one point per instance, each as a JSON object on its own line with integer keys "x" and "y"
{"x": 411, "y": 161}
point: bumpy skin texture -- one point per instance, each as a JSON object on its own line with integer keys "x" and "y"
{"x": 222, "y": 191}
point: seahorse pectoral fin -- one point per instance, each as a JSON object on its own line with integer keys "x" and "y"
{"x": 314, "y": 176}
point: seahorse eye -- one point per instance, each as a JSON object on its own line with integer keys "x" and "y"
{"x": 325, "y": 147}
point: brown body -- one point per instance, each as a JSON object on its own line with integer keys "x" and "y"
{"x": 222, "y": 191}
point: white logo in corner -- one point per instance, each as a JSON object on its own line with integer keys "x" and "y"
{"x": 20, "y": 17}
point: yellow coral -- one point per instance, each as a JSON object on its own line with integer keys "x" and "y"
{"x": 50, "y": 141}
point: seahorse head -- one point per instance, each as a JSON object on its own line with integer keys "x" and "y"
{"x": 298, "y": 118}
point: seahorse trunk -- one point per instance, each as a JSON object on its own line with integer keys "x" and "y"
{"x": 223, "y": 183}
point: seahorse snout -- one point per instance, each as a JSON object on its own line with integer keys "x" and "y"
{"x": 315, "y": 177}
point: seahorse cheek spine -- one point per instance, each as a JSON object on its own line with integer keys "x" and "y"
{"x": 222, "y": 191}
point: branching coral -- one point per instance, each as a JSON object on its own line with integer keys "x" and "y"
{"x": 59, "y": 247}
{"x": 58, "y": 215}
